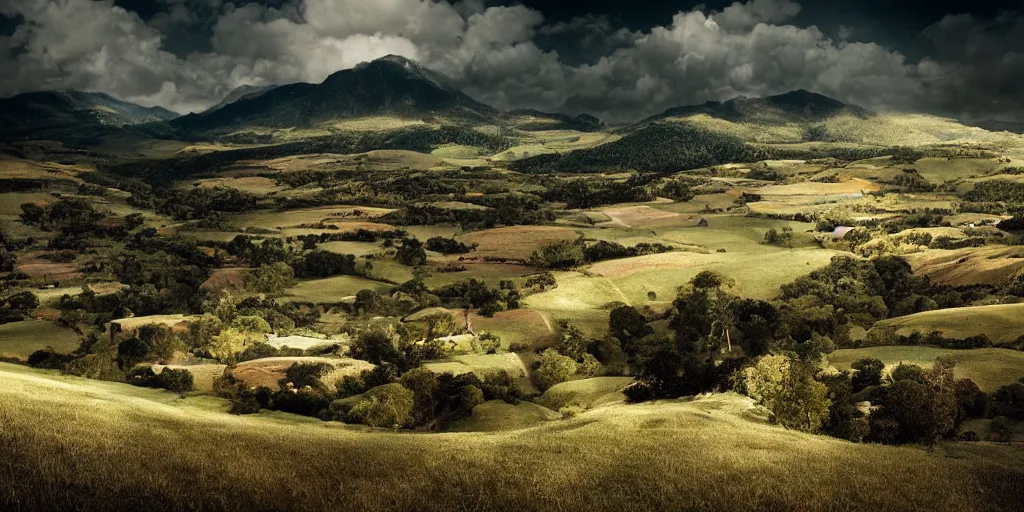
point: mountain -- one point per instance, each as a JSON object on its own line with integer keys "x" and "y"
{"x": 67, "y": 113}
{"x": 245, "y": 91}
{"x": 800, "y": 106}
{"x": 806, "y": 117}
{"x": 392, "y": 86}
{"x": 535, "y": 120}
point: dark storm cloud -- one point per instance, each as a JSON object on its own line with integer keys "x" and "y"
{"x": 187, "y": 54}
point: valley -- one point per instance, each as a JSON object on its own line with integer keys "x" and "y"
{"x": 378, "y": 293}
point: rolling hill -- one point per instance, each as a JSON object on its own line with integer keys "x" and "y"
{"x": 75, "y": 444}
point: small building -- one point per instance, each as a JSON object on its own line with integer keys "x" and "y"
{"x": 840, "y": 232}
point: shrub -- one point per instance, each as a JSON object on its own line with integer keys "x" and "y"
{"x": 320, "y": 263}
{"x": 499, "y": 385}
{"x": 49, "y": 359}
{"x": 448, "y": 245}
{"x": 781, "y": 239}
{"x": 563, "y": 254}
{"x": 302, "y": 375}
{"x": 177, "y": 380}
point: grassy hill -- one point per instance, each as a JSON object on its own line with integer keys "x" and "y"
{"x": 1002, "y": 323}
{"x": 69, "y": 443}
{"x": 989, "y": 368}
{"x": 657, "y": 147}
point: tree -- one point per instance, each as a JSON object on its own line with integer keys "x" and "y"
{"x": 920, "y": 408}
{"x": 161, "y": 340}
{"x": 628, "y": 325}
{"x": 376, "y": 345}
{"x": 131, "y": 351}
{"x": 868, "y": 372}
{"x": 270, "y": 279}
{"x": 845, "y": 421}
{"x": 914, "y": 411}
{"x": 971, "y": 400}
{"x": 542, "y": 281}
{"x": 907, "y": 371}
{"x": 573, "y": 343}
{"x": 1009, "y": 401}
{"x": 17, "y": 306}
{"x": 252, "y": 325}
{"x": 787, "y": 388}
{"x": 424, "y": 385}
{"x": 553, "y": 369}
{"x": 411, "y": 253}
{"x": 369, "y": 302}
{"x": 390, "y": 405}
{"x": 229, "y": 342}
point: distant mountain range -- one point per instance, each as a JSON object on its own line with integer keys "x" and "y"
{"x": 398, "y": 88}
{"x": 46, "y": 114}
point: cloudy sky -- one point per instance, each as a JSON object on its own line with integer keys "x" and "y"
{"x": 621, "y": 60}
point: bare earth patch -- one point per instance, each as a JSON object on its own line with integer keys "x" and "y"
{"x": 634, "y": 216}
{"x": 515, "y": 242}
{"x": 268, "y": 371}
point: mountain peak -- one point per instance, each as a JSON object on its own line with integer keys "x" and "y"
{"x": 392, "y": 85}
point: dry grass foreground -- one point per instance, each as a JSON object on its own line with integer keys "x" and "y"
{"x": 68, "y": 443}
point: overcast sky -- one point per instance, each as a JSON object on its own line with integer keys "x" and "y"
{"x": 619, "y": 60}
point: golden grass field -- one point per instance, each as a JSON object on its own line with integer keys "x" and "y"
{"x": 995, "y": 266}
{"x": 69, "y": 443}
{"x": 480, "y": 364}
{"x": 989, "y": 368}
{"x": 332, "y": 289}
{"x": 20, "y": 339}
{"x": 515, "y": 242}
{"x": 498, "y": 416}
{"x": 1002, "y": 323}
{"x": 585, "y": 393}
